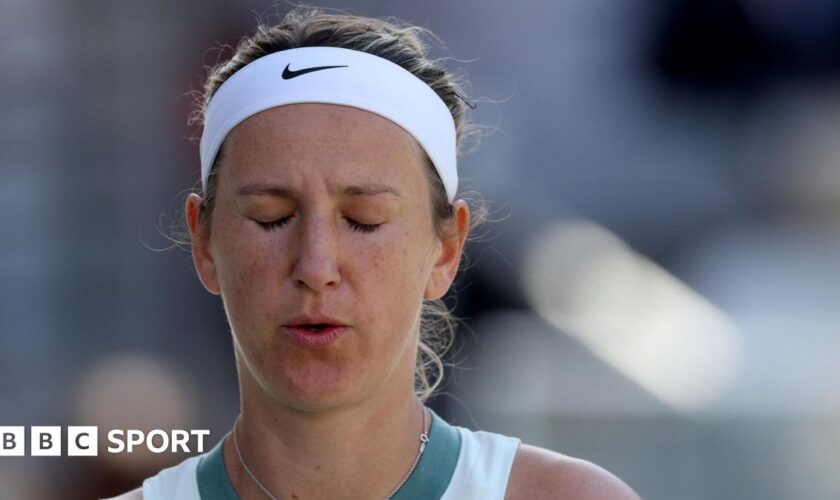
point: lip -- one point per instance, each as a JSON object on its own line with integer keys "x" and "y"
{"x": 312, "y": 339}
{"x": 312, "y": 319}
{"x": 315, "y": 340}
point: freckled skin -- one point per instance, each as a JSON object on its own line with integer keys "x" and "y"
{"x": 373, "y": 281}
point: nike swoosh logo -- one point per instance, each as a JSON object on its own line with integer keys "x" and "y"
{"x": 288, "y": 74}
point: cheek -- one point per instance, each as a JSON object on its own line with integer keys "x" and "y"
{"x": 390, "y": 280}
{"x": 383, "y": 277}
{"x": 247, "y": 272}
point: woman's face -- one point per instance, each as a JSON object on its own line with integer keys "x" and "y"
{"x": 323, "y": 210}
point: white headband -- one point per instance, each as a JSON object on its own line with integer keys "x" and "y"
{"x": 336, "y": 76}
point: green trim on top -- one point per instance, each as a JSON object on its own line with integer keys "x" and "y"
{"x": 212, "y": 477}
{"x": 434, "y": 471}
{"x": 429, "y": 479}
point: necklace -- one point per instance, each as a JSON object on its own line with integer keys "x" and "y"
{"x": 424, "y": 438}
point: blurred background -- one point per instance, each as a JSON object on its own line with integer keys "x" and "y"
{"x": 658, "y": 294}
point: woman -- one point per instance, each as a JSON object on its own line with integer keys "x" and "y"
{"x": 327, "y": 220}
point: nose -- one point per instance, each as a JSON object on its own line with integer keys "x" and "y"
{"x": 316, "y": 265}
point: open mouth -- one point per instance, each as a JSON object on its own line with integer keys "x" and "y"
{"x": 316, "y": 335}
{"x": 318, "y": 327}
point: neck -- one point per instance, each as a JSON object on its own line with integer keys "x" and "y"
{"x": 358, "y": 451}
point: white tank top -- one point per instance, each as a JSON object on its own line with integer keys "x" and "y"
{"x": 481, "y": 471}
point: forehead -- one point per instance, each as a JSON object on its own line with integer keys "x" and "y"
{"x": 298, "y": 141}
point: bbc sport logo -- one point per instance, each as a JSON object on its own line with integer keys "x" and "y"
{"x": 83, "y": 441}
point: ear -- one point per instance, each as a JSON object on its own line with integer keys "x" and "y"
{"x": 446, "y": 263}
{"x": 199, "y": 227}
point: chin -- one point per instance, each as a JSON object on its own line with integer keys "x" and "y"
{"x": 316, "y": 385}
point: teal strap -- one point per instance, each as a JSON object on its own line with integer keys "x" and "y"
{"x": 429, "y": 479}
{"x": 213, "y": 481}
{"x": 434, "y": 471}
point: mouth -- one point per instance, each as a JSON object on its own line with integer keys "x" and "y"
{"x": 315, "y": 335}
{"x": 316, "y": 327}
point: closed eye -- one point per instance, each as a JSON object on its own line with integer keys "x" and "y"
{"x": 355, "y": 225}
{"x": 274, "y": 224}
{"x": 364, "y": 228}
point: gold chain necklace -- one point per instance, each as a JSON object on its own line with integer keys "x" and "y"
{"x": 424, "y": 438}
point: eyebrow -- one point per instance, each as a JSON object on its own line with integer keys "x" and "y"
{"x": 268, "y": 189}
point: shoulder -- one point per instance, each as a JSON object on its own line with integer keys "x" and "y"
{"x": 539, "y": 473}
{"x": 135, "y": 494}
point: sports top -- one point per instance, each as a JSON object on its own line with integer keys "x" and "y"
{"x": 457, "y": 464}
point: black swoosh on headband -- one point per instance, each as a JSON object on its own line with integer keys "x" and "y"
{"x": 288, "y": 74}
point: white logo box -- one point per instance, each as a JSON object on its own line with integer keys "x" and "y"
{"x": 83, "y": 441}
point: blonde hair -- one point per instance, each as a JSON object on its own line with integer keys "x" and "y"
{"x": 405, "y": 45}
